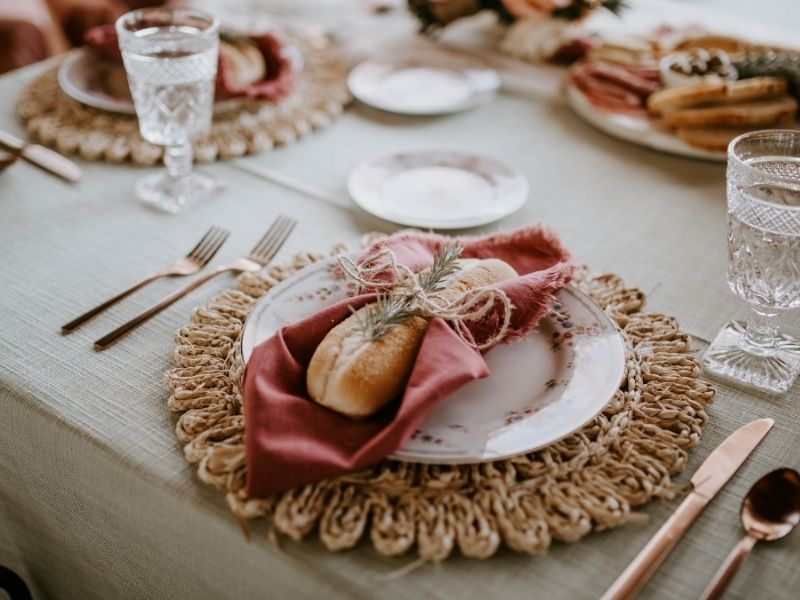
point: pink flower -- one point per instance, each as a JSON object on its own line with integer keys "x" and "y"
{"x": 534, "y": 9}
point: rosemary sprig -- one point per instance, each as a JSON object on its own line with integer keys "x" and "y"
{"x": 391, "y": 310}
{"x": 445, "y": 263}
{"x": 379, "y": 318}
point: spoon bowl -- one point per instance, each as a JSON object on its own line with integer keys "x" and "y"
{"x": 770, "y": 511}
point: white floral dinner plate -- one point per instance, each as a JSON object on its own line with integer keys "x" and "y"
{"x": 636, "y": 130}
{"x": 437, "y": 189}
{"x": 424, "y": 84}
{"x": 540, "y": 390}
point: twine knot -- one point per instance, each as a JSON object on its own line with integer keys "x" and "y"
{"x": 382, "y": 273}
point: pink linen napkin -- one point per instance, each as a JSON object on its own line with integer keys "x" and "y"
{"x": 291, "y": 441}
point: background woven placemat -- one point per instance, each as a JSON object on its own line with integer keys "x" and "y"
{"x": 591, "y": 480}
{"x": 320, "y": 93}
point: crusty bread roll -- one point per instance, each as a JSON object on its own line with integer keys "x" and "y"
{"x": 755, "y": 88}
{"x": 358, "y": 377}
{"x": 630, "y": 50}
{"x": 717, "y": 93}
{"x": 741, "y": 114}
{"x": 674, "y": 98}
{"x": 245, "y": 61}
{"x": 716, "y": 42}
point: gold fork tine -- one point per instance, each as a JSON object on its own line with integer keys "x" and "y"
{"x": 213, "y": 246}
{"x": 286, "y": 226}
{"x": 268, "y": 253}
{"x": 208, "y": 243}
{"x": 194, "y": 252}
{"x": 258, "y": 251}
{"x": 276, "y": 224}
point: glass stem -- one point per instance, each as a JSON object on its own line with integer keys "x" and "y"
{"x": 178, "y": 160}
{"x": 762, "y": 329}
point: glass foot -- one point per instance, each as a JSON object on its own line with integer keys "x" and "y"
{"x": 772, "y": 369}
{"x": 172, "y": 194}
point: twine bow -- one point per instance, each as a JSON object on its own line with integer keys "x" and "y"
{"x": 384, "y": 274}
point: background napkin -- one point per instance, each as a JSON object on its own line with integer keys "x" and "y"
{"x": 290, "y": 440}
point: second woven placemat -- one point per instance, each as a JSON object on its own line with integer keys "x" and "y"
{"x": 320, "y": 93}
{"x": 590, "y": 480}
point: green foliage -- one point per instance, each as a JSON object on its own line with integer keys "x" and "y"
{"x": 769, "y": 63}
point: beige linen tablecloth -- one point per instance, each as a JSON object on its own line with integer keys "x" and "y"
{"x": 96, "y": 500}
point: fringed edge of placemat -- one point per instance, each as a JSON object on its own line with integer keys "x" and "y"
{"x": 591, "y": 480}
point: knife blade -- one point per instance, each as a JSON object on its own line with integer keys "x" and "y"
{"x": 709, "y": 478}
{"x": 45, "y": 158}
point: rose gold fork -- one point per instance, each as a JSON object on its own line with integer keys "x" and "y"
{"x": 197, "y": 258}
{"x": 258, "y": 258}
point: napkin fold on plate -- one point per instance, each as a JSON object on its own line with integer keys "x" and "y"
{"x": 290, "y": 440}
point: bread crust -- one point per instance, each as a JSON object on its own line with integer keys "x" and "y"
{"x": 718, "y": 42}
{"x": 245, "y": 62}
{"x": 701, "y": 93}
{"x": 676, "y": 98}
{"x": 755, "y": 88}
{"x": 356, "y": 377}
{"x": 741, "y": 114}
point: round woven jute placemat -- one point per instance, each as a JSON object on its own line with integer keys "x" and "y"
{"x": 591, "y": 480}
{"x": 320, "y": 93}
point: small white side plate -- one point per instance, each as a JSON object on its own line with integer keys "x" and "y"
{"x": 437, "y": 189}
{"x": 434, "y": 83}
{"x": 541, "y": 389}
{"x": 637, "y": 130}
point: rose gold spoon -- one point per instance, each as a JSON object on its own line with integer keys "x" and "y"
{"x": 770, "y": 511}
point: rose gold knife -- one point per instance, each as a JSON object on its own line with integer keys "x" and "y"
{"x": 42, "y": 157}
{"x": 709, "y": 478}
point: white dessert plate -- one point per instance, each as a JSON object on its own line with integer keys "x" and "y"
{"x": 433, "y": 83}
{"x": 541, "y": 389}
{"x": 437, "y": 189}
{"x": 636, "y": 130}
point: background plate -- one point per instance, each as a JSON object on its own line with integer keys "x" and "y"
{"x": 433, "y": 83}
{"x": 637, "y": 130}
{"x": 81, "y": 77}
{"x": 437, "y": 189}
